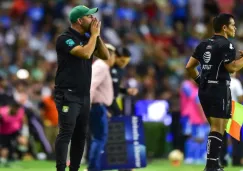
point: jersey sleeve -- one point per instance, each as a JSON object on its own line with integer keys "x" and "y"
{"x": 66, "y": 43}
{"x": 197, "y": 52}
{"x": 229, "y": 53}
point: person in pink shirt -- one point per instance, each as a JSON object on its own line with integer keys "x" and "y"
{"x": 191, "y": 110}
{"x": 101, "y": 95}
{"x": 195, "y": 123}
{"x": 11, "y": 122}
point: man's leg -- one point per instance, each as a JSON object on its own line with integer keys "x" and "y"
{"x": 99, "y": 131}
{"x": 79, "y": 136}
{"x": 214, "y": 143}
{"x": 223, "y": 152}
{"x": 67, "y": 114}
{"x": 40, "y": 134}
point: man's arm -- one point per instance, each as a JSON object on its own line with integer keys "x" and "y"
{"x": 87, "y": 50}
{"x": 101, "y": 51}
{"x": 192, "y": 70}
{"x": 235, "y": 65}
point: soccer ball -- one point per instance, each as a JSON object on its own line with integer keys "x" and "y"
{"x": 176, "y": 157}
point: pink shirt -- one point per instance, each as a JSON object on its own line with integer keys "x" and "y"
{"x": 190, "y": 104}
{"x": 11, "y": 124}
{"x": 101, "y": 90}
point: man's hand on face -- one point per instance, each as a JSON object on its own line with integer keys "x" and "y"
{"x": 95, "y": 27}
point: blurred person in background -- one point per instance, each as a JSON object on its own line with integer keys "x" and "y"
{"x": 237, "y": 146}
{"x": 194, "y": 123}
{"x": 11, "y": 122}
{"x": 3, "y": 95}
{"x": 117, "y": 72}
{"x": 49, "y": 116}
{"x": 101, "y": 95}
{"x": 123, "y": 57}
{"x": 21, "y": 94}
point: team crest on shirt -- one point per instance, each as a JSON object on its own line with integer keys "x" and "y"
{"x": 65, "y": 109}
{"x": 70, "y": 42}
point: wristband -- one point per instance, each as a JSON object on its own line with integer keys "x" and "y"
{"x": 197, "y": 79}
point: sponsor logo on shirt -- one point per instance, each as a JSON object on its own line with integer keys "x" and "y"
{"x": 231, "y": 46}
{"x": 207, "y": 57}
{"x": 70, "y": 42}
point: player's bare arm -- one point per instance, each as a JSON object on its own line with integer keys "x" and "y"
{"x": 235, "y": 65}
{"x": 101, "y": 51}
{"x": 191, "y": 68}
{"x": 87, "y": 50}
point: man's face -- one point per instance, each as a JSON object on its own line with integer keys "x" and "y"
{"x": 122, "y": 61}
{"x": 86, "y": 21}
{"x": 230, "y": 29}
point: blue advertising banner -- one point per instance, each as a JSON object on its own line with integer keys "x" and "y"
{"x": 125, "y": 148}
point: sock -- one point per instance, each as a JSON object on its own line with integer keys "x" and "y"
{"x": 213, "y": 149}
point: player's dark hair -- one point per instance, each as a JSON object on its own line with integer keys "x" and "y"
{"x": 220, "y": 20}
{"x": 123, "y": 51}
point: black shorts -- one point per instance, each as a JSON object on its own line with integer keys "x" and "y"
{"x": 6, "y": 141}
{"x": 216, "y": 100}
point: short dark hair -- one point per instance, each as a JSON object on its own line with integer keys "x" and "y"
{"x": 123, "y": 51}
{"x": 220, "y": 20}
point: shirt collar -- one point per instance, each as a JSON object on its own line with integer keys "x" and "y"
{"x": 77, "y": 33}
{"x": 216, "y": 35}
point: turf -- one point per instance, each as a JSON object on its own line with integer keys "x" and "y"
{"x": 157, "y": 165}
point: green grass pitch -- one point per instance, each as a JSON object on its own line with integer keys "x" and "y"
{"x": 156, "y": 165}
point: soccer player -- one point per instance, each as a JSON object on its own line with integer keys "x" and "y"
{"x": 217, "y": 57}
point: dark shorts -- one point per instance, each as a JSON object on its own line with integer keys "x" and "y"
{"x": 216, "y": 101}
{"x": 6, "y": 141}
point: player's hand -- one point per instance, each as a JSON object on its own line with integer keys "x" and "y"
{"x": 95, "y": 27}
{"x": 132, "y": 91}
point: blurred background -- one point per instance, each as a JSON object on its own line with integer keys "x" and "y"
{"x": 161, "y": 35}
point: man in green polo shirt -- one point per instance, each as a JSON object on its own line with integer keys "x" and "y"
{"x": 75, "y": 48}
